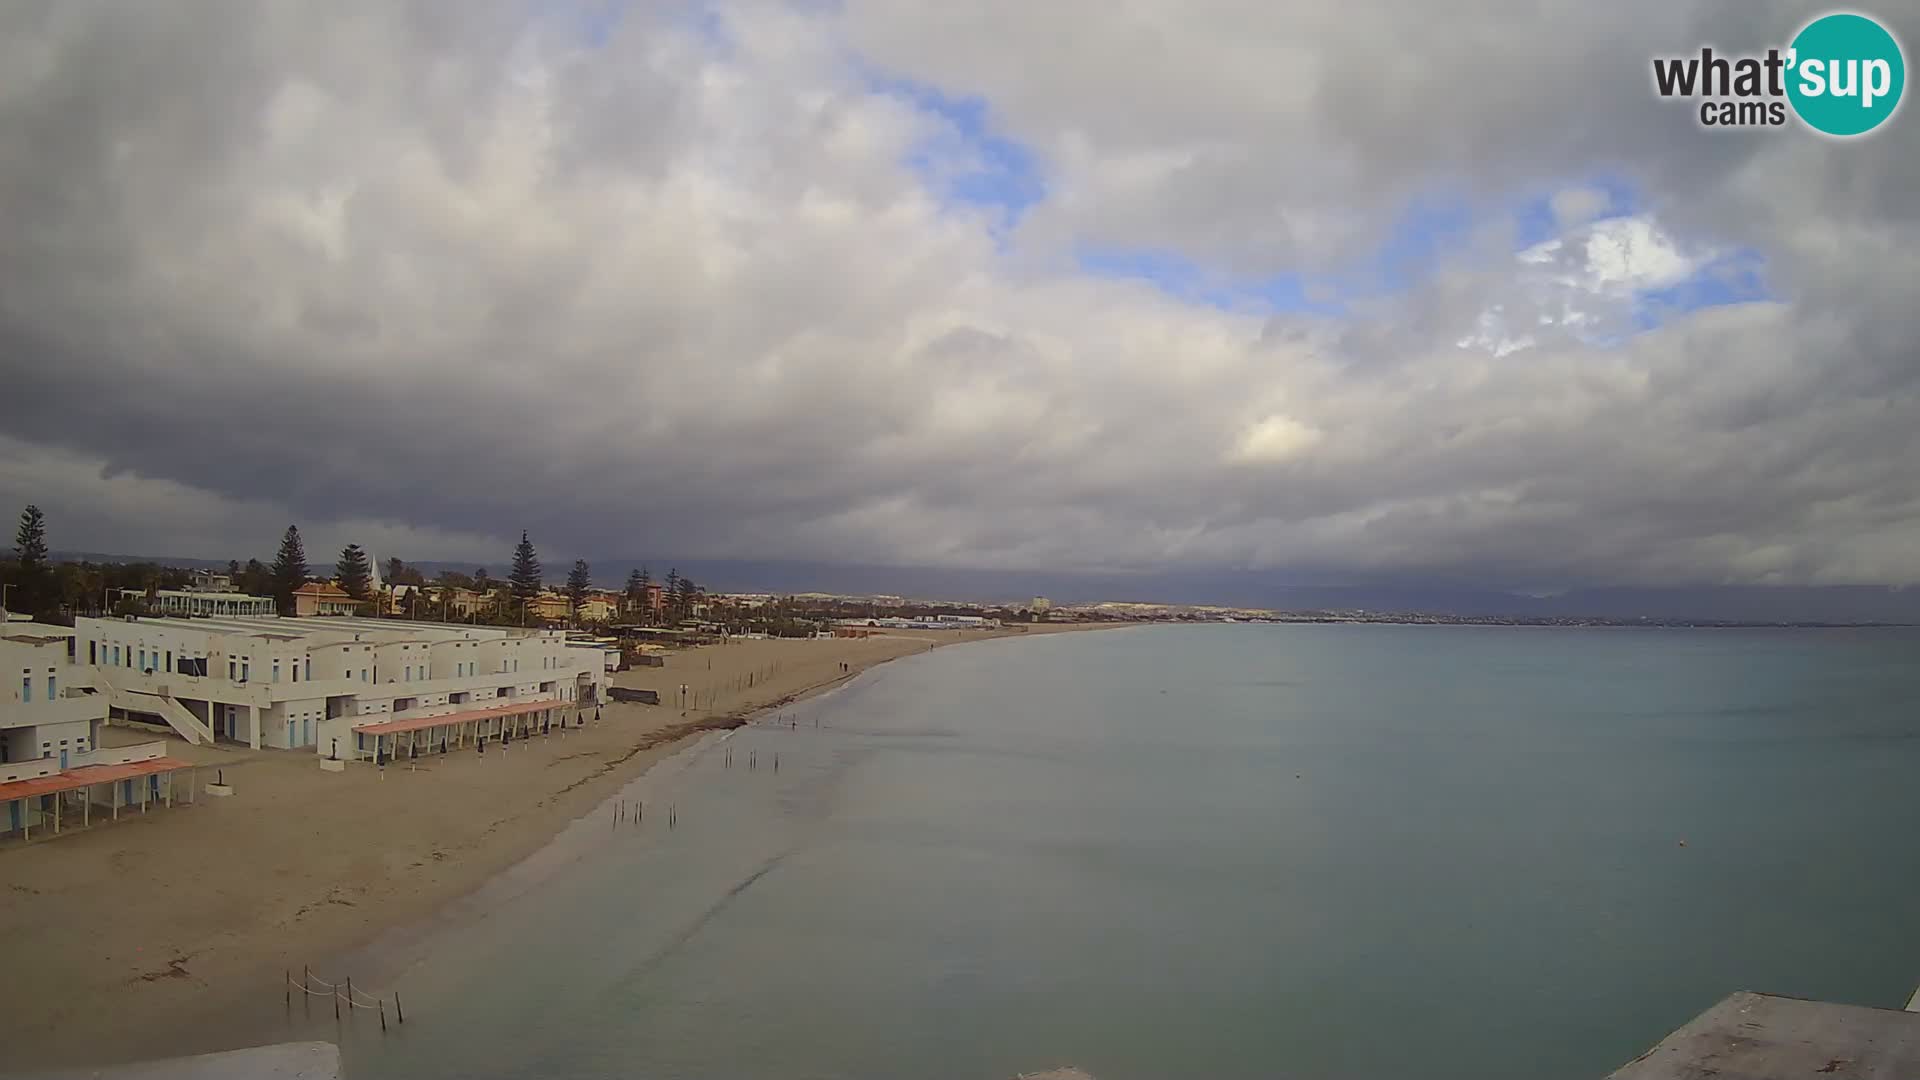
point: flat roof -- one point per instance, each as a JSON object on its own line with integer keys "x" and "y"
{"x": 16, "y": 630}
{"x": 1762, "y": 1037}
{"x": 418, "y": 723}
{"x": 87, "y": 776}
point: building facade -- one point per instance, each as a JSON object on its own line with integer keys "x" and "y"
{"x": 50, "y": 711}
{"x": 294, "y": 683}
{"x": 323, "y": 598}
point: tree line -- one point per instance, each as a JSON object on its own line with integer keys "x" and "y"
{"x": 38, "y": 586}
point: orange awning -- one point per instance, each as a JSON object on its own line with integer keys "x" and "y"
{"x": 394, "y": 727}
{"x": 87, "y": 776}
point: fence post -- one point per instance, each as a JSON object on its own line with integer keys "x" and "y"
{"x": 397, "y": 1009}
{"x": 383, "y": 1014}
{"x": 289, "y": 989}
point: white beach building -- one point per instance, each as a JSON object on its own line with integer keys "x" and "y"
{"x": 341, "y": 685}
{"x": 52, "y": 766}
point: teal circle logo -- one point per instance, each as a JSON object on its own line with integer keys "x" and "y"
{"x": 1846, "y": 74}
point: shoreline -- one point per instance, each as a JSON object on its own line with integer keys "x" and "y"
{"x": 181, "y": 922}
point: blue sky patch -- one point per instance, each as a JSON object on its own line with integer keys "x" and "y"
{"x": 970, "y": 165}
{"x": 1735, "y": 278}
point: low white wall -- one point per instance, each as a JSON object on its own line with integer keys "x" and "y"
{"x": 119, "y": 755}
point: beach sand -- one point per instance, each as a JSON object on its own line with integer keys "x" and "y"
{"x": 122, "y": 940}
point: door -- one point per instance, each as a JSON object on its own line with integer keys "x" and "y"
{"x": 306, "y": 731}
{"x": 63, "y": 759}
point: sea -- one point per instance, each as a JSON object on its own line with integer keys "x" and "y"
{"x": 1340, "y": 852}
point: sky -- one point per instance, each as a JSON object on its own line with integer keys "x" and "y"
{"x": 1331, "y": 291}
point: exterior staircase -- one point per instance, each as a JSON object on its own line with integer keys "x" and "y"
{"x": 183, "y": 722}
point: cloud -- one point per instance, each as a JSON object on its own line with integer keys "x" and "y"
{"x": 809, "y": 281}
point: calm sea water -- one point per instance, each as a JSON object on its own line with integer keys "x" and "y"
{"x": 1220, "y": 851}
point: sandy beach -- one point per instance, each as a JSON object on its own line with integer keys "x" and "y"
{"x": 123, "y": 937}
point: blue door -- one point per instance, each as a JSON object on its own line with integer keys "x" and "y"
{"x": 63, "y": 759}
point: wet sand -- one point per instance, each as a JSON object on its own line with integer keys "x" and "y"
{"x": 126, "y": 939}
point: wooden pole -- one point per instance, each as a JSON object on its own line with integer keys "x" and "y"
{"x": 289, "y": 991}
{"x": 383, "y": 1014}
{"x": 336, "y": 1003}
{"x": 402, "y": 1013}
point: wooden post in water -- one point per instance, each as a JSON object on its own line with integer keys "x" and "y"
{"x": 398, "y": 1011}
{"x": 350, "y": 1005}
{"x": 383, "y": 1015}
{"x": 289, "y": 990}
{"x": 336, "y": 1003}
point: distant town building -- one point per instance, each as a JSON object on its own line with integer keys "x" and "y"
{"x": 547, "y": 605}
{"x": 323, "y": 598}
{"x": 209, "y": 581}
{"x": 598, "y": 608}
{"x": 1041, "y": 604}
{"x": 191, "y": 602}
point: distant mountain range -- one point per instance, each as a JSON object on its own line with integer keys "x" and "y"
{"x": 1742, "y": 603}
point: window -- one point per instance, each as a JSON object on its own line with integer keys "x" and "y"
{"x": 245, "y": 672}
{"x": 169, "y": 659}
{"x": 309, "y": 669}
{"x": 93, "y": 652}
{"x": 276, "y": 672}
{"x": 26, "y": 688}
{"x": 143, "y": 659}
{"x": 53, "y": 693}
{"x": 233, "y": 668}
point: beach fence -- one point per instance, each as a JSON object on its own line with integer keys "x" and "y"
{"x": 345, "y": 998}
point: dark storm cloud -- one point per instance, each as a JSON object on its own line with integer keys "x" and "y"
{"x": 432, "y": 274}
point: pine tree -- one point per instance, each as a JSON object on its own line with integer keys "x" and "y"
{"x": 688, "y": 593}
{"x": 526, "y": 570}
{"x": 30, "y": 541}
{"x": 579, "y": 580}
{"x": 233, "y": 570}
{"x": 289, "y": 568}
{"x": 354, "y": 572}
{"x": 32, "y": 578}
{"x": 395, "y": 571}
{"x": 671, "y": 593}
{"x": 636, "y": 591}
{"x": 646, "y": 595}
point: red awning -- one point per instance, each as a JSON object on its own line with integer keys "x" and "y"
{"x": 394, "y": 727}
{"x": 87, "y": 776}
